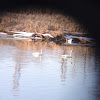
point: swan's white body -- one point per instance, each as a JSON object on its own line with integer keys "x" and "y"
{"x": 69, "y": 41}
{"x": 67, "y": 56}
{"x": 37, "y": 54}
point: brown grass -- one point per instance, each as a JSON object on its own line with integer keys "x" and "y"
{"x": 37, "y": 21}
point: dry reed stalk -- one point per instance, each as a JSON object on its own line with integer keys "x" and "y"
{"x": 37, "y": 21}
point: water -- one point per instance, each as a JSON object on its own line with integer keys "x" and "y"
{"x": 48, "y": 77}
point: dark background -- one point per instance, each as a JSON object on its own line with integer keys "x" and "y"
{"x": 85, "y": 11}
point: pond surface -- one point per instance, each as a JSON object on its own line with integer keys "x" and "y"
{"x": 48, "y": 77}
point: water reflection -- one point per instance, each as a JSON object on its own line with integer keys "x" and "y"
{"x": 63, "y": 70}
{"x": 19, "y": 59}
{"x": 50, "y": 76}
{"x": 16, "y": 77}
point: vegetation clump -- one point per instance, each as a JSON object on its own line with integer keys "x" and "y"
{"x": 38, "y": 21}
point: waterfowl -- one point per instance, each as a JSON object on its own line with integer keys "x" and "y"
{"x": 69, "y": 41}
{"x": 37, "y": 54}
{"x": 67, "y": 56}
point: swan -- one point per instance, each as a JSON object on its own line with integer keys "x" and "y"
{"x": 69, "y": 41}
{"x": 67, "y": 56}
{"x": 37, "y": 54}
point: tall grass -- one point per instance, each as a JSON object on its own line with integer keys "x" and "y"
{"x": 39, "y": 21}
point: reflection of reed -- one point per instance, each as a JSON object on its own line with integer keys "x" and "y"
{"x": 83, "y": 58}
{"x": 29, "y": 45}
{"x": 64, "y": 64}
{"x": 19, "y": 58}
{"x": 97, "y": 70}
{"x": 85, "y": 62}
{"x": 63, "y": 70}
{"x": 16, "y": 77}
{"x": 82, "y": 61}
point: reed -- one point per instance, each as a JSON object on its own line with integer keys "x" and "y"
{"x": 39, "y": 21}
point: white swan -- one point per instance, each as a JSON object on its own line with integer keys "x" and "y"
{"x": 69, "y": 41}
{"x": 67, "y": 56}
{"x": 37, "y": 54}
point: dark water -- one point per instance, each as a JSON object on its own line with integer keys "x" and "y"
{"x": 48, "y": 77}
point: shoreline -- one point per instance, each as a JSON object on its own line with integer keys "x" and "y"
{"x": 75, "y": 38}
